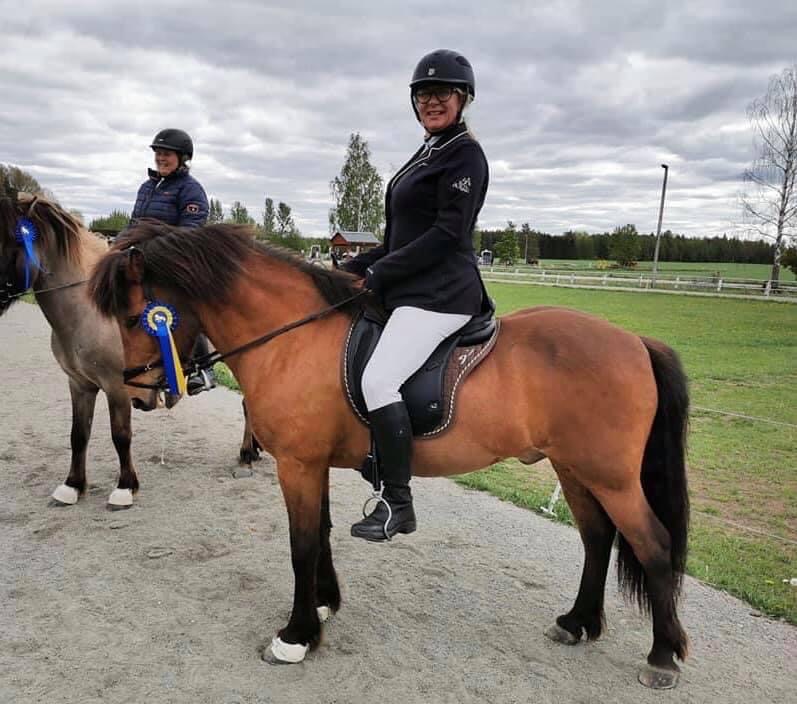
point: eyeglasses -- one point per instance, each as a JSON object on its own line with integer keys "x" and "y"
{"x": 442, "y": 93}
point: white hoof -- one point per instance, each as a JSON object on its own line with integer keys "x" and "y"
{"x": 121, "y": 497}
{"x": 288, "y": 652}
{"x": 323, "y": 613}
{"x": 65, "y": 495}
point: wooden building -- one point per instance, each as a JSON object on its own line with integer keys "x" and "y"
{"x": 348, "y": 244}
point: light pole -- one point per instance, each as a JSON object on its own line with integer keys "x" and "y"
{"x": 658, "y": 228}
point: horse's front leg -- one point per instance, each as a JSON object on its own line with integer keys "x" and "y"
{"x": 302, "y": 487}
{"x": 121, "y": 434}
{"x": 83, "y": 401}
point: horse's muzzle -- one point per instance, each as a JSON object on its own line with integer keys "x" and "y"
{"x": 142, "y": 405}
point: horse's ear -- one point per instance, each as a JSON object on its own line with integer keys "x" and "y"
{"x": 135, "y": 265}
{"x": 26, "y": 207}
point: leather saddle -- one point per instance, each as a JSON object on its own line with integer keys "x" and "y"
{"x": 430, "y": 393}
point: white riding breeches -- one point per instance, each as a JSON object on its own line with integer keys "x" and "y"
{"x": 410, "y": 336}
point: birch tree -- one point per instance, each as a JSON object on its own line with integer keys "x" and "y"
{"x": 769, "y": 201}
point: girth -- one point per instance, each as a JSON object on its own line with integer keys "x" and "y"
{"x": 430, "y": 393}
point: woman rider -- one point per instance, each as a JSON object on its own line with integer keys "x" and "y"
{"x": 174, "y": 197}
{"x": 425, "y": 273}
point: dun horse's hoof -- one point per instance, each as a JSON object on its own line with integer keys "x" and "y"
{"x": 561, "y": 635}
{"x": 120, "y": 498}
{"x": 658, "y": 677}
{"x": 65, "y": 495}
{"x": 282, "y": 653}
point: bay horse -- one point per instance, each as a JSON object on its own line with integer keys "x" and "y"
{"x": 85, "y": 344}
{"x": 608, "y": 407}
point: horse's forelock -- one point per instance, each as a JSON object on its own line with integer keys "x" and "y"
{"x": 56, "y": 227}
{"x": 108, "y": 284}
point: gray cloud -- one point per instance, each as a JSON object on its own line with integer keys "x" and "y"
{"x": 577, "y": 102}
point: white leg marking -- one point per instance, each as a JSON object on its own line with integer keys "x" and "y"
{"x": 121, "y": 497}
{"x": 65, "y": 495}
{"x": 288, "y": 652}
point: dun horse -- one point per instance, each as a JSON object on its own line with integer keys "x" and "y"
{"x": 85, "y": 344}
{"x": 607, "y": 407}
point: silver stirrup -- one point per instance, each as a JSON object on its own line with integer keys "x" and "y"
{"x": 378, "y": 498}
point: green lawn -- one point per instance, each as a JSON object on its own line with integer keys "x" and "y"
{"x": 726, "y": 270}
{"x": 741, "y": 356}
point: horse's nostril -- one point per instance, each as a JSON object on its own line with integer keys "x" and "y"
{"x": 140, "y": 405}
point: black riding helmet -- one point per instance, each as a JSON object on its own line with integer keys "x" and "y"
{"x": 176, "y": 140}
{"x": 443, "y": 66}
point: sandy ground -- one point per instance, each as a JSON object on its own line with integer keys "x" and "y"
{"x": 172, "y": 600}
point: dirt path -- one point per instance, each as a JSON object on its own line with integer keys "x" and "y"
{"x": 171, "y": 600}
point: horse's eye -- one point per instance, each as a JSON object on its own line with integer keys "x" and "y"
{"x": 131, "y": 322}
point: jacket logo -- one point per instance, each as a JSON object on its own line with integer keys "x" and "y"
{"x": 192, "y": 208}
{"x": 462, "y": 185}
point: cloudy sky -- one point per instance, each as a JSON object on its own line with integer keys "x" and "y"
{"x": 578, "y": 103}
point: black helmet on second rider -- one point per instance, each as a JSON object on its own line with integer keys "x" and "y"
{"x": 443, "y": 66}
{"x": 175, "y": 140}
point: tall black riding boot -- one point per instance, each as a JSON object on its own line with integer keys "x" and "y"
{"x": 392, "y": 434}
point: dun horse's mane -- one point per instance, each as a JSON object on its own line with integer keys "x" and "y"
{"x": 57, "y": 229}
{"x": 202, "y": 264}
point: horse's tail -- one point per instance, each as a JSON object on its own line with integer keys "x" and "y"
{"x": 663, "y": 473}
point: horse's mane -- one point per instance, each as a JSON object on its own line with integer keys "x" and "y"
{"x": 58, "y": 230}
{"x": 201, "y": 264}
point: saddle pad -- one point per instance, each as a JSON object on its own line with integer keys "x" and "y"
{"x": 430, "y": 393}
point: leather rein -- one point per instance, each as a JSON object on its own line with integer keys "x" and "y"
{"x": 196, "y": 363}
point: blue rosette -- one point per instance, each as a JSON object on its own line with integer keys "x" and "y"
{"x": 159, "y": 320}
{"x": 26, "y": 233}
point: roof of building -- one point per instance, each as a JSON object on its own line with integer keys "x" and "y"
{"x": 358, "y": 237}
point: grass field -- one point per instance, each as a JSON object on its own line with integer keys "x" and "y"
{"x": 741, "y": 356}
{"x": 726, "y": 270}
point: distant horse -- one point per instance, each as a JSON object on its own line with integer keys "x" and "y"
{"x": 607, "y": 407}
{"x": 85, "y": 344}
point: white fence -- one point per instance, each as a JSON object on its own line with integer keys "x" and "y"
{"x": 695, "y": 285}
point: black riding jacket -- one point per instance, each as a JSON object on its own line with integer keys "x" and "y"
{"x": 431, "y": 205}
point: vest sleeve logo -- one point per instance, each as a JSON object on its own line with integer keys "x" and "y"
{"x": 462, "y": 184}
{"x": 192, "y": 208}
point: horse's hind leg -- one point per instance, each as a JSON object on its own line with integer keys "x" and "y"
{"x": 646, "y": 574}
{"x": 83, "y": 402}
{"x": 597, "y": 534}
{"x": 327, "y": 589}
{"x": 121, "y": 434}
{"x": 250, "y": 447}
